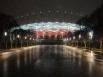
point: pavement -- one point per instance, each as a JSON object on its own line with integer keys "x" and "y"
{"x": 97, "y": 54}
{"x": 15, "y": 49}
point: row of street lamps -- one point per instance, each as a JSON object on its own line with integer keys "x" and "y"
{"x": 71, "y": 39}
{"x": 32, "y": 39}
{"x": 17, "y": 39}
{"x": 49, "y": 13}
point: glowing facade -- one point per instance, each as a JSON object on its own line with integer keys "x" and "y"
{"x": 51, "y": 28}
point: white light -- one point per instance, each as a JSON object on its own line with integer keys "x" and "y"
{"x": 71, "y": 13}
{"x": 30, "y": 38}
{"x": 25, "y": 37}
{"x": 91, "y": 34}
{"x": 74, "y": 37}
{"x": 5, "y": 33}
{"x": 18, "y": 36}
{"x": 79, "y": 36}
{"x": 33, "y": 39}
{"x": 70, "y": 38}
{"x": 40, "y": 12}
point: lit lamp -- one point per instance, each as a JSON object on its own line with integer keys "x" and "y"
{"x": 5, "y": 34}
{"x": 79, "y": 39}
{"x": 30, "y": 38}
{"x": 90, "y": 38}
{"x": 79, "y": 36}
{"x": 91, "y": 35}
{"x": 18, "y": 36}
{"x": 70, "y": 40}
{"x": 26, "y": 41}
{"x": 25, "y": 37}
{"x": 74, "y": 39}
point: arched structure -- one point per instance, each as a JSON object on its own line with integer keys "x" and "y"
{"x": 42, "y": 29}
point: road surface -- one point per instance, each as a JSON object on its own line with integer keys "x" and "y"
{"x": 49, "y": 61}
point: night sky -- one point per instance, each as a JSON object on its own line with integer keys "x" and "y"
{"x": 17, "y": 8}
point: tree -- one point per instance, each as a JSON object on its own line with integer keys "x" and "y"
{"x": 7, "y": 22}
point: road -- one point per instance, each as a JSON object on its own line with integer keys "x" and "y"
{"x": 49, "y": 61}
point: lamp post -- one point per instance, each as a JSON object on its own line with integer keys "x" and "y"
{"x": 5, "y": 34}
{"x": 11, "y": 39}
{"x": 49, "y": 14}
{"x": 34, "y": 17}
{"x": 18, "y": 36}
{"x": 74, "y": 40}
{"x": 70, "y": 41}
{"x": 90, "y": 38}
{"x": 26, "y": 41}
{"x": 80, "y": 39}
{"x": 33, "y": 41}
{"x": 30, "y": 41}
{"x": 41, "y": 15}
{"x": 57, "y": 15}
{"x": 65, "y": 13}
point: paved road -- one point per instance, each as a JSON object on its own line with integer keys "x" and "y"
{"x": 49, "y": 61}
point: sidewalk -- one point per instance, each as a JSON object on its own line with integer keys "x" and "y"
{"x": 95, "y": 53}
{"x": 15, "y": 49}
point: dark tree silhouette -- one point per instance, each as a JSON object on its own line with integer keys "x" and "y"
{"x": 7, "y": 22}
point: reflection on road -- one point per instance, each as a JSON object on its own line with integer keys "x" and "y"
{"x": 49, "y": 61}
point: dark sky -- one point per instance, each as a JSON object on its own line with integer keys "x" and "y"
{"x": 18, "y": 8}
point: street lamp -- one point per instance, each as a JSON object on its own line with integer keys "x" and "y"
{"x": 5, "y": 34}
{"x": 74, "y": 37}
{"x": 90, "y": 38}
{"x": 70, "y": 41}
{"x": 30, "y": 41}
{"x": 65, "y": 15}
{"x": 41, "y": 14}
{"x": 57, "y": 15}
{"x": 74, "y": 40}
{"x": 30, "y": 38}
{"x": 49, "y": 15}
{"x": 11, "y": 39}
{"x": 79, "y": 36}
{"x": 18, "y": 36}
{"x": 70, "y": 38}
{"x": 80, "y": 39}
{"x": 26, "y": 41}
{"x": 34, "y": 17}
{"x": 91, "y": 34}
{"x": 25, "y": 37}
